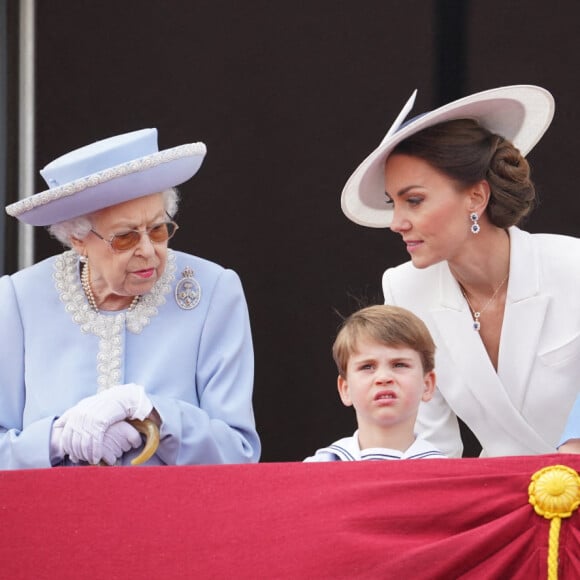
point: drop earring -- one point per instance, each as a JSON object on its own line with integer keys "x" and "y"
{"x": 474, "y": 223}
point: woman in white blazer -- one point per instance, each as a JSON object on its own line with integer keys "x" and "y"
{"x": 502, "y": 304}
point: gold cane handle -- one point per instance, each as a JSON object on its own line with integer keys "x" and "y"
{"x": 151, "y": 432}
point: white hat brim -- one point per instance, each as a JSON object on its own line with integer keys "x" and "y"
{"x": 519, "y": 113}
{"x": 150, "y": 174}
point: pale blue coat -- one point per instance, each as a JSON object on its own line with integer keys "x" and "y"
{"x": 196, "y": 365}
{"x": 572, "y": 430}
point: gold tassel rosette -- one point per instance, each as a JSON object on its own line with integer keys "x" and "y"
{"x": 555, "y": 494}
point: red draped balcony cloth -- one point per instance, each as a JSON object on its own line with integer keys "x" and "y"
{"x": 420, "y": 519}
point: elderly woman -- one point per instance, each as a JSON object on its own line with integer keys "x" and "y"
{"x": 500, "y": 303}
{"x": 119, "y": 327}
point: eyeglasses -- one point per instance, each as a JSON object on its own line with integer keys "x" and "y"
{"x": 158, "y": 234}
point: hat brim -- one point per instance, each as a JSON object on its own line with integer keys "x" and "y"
{"x": 519, "y": 113}
{"x": 150, "y": 174}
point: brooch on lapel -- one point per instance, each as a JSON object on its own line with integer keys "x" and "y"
{"x": 187, "y": 291}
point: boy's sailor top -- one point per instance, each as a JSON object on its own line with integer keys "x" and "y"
{"x": 348, "y": 449}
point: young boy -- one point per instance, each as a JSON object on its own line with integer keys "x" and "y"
{"x": 385, "y": 359}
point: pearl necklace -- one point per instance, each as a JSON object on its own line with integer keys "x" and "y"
{"x": 477, "y": 313}
{"x": 86, "y": 284}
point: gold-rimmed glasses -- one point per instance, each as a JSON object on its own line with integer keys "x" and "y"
{"x": 125, "y": 241}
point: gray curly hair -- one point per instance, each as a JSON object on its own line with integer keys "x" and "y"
{"x": 80, "y": 227}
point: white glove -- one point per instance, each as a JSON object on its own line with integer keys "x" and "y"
{"x": 118, "y": 439}
{"x": 85, "y": 424}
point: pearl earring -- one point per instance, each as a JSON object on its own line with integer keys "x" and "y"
{"x": 474, "y": 223}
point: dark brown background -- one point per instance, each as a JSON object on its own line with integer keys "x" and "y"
{"x": 289, "y": 97}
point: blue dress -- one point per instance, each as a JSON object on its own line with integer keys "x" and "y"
{"x": 196, "y": 363}
{"x": 572, "y": 430}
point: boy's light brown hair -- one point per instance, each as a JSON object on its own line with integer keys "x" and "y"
{"x": 391, "y": 325}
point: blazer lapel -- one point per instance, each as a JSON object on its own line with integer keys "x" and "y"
{"x": 524, "y": 314}
{"x": 464, "y": 346}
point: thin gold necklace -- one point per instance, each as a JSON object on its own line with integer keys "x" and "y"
{"x": 476, "y": 314}
{"x": 86, "y": 284}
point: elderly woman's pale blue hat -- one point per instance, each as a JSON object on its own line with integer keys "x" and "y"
{"x": 519, "y": 113}
{"x": 106, "y": 173}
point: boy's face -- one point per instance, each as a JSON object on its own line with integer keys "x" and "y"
{"x": 385, "y": 385}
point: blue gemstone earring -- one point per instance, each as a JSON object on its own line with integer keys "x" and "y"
{"x": 474, "y": 223}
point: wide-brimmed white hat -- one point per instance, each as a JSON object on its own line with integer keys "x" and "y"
{"x": 106, "y": 173}
{"x": 519, "y": 113}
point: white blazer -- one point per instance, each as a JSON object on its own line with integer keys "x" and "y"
{"x": 521, "y": 409}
